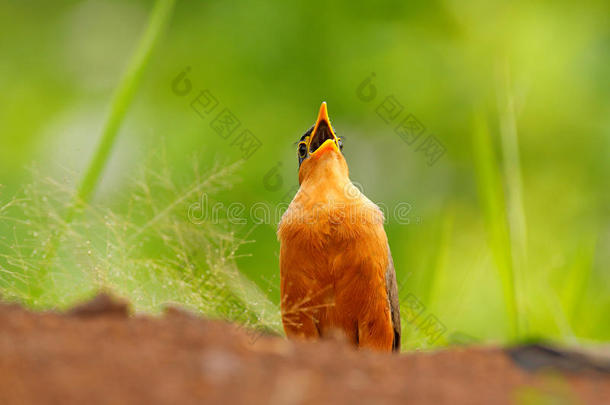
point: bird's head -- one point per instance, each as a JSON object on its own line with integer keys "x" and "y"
{"x": 320, "y": 151}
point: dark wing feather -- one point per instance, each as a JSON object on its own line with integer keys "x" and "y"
{"x": 392, "y": 290}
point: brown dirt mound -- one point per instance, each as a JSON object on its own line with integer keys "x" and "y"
{"x": 97, "y": 354}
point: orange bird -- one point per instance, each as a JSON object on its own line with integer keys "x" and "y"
{"x": 337, "y": 273}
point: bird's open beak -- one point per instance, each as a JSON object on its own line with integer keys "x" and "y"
{"x": 323, "y": 134}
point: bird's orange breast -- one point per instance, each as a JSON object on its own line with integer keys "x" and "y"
{"x": 333, "y": 259}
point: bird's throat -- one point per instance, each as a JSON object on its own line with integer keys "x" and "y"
{"x": 326, "y": 168}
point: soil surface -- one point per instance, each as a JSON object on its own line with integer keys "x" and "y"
{"x": 98, "y": 354}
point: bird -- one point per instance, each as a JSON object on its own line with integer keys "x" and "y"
{"x": 337, "y": 276}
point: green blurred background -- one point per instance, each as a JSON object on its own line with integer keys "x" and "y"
{"x": 518, "y": 93}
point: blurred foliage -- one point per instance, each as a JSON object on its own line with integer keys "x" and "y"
{"x": 148, "y": 254}
{"x": 526, "y": 199}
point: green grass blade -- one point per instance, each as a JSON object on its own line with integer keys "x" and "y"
{"x": 440, "y": 252}
{"x": 491, "y": 196}
{"x": 515, "y": 210}
{"x": 578, "y": 277}
{"x": 123, "y": 97}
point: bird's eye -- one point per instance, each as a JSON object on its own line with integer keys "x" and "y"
{"x": 340, "y": 143}
{"x": 302, "y": 149}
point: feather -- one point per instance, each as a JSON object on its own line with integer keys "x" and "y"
{"x": 392, "y": 291}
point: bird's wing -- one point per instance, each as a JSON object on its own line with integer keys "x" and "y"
{"x": 392, "y": 290}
